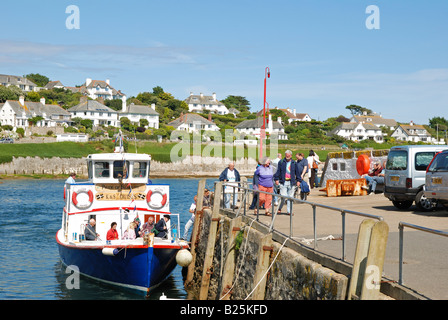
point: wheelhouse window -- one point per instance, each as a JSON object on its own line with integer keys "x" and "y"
{"x": 121, "y": 169}
{"x": 101, "y": 169}
{"x": 139, "y": 169}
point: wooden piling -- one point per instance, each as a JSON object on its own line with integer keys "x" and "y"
{"x": 264, "y": 255}
{"x": 229, "y": 265}
{"x": 208, "y": 260}
{"x": 194, "y": 234}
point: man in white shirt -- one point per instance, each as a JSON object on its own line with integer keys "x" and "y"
{"x": 71, "y": 178}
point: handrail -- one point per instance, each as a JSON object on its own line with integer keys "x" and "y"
{"x": 401, "y": 226}
{"x": 295, "y": 200}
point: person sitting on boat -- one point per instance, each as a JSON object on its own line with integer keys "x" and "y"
{"x": 112, "y": 234}
{"x": 129, "y": 234}
{"x": 89, "y": 231}
{"x": 161, "y": 227}
{"x": 71, "y": 178}
{"x": 137, "y": 227}
{"x": 147, "y": 226}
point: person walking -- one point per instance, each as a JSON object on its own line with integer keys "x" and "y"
{"x": 265, "y": 175}
{"x": 285, "y": 178}
{"x": 231, "y": 175}
{"x": 313, "y": 162}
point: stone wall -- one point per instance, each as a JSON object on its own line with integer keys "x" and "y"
{"x": 292, "y": 276}
{"x": 189, "y": 167}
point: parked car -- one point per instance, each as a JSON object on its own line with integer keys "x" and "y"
{"x": 405, "y": 175}
{"x": 6, "y": 140}
{"x": 436, "y": 183}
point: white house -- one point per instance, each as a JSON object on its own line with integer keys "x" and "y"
{"x": 54, "y": 85}
{"x": 412, "y": 132}
{"x": 358, "y": 132}
{"x": 18, "y": 113}
{"x": 137, "y": 112}
{"x": 95, "y": 89}
{"x": 201, "y": 103}
{"x": 253, "y": 127}
{"x": 375, "y": 119}
{"x": 95, "y": 111}
{"x": 23, "y": 83}
{"x": 294, "y": 116}
{"x": 192, "y": 122}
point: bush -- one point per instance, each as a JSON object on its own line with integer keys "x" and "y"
{"x": 20, "y": 132}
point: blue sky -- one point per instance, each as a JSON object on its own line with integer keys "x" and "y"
{"x": 321, "y": 55}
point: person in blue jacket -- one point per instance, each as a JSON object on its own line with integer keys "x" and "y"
{"x": 285, "y": 178}
{"x": 230, "y": 175}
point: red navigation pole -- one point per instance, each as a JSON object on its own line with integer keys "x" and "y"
{"x": 267, "y": 74}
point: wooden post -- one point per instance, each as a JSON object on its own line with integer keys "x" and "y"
{"x": 369, "y": 260}
{"x": 362, "y": 250}
{"x": 209, "y": 253}
{"x": 194, "y": 234}
{"x": 229, "y": 266}
{"x": 375, "y": 261}
{"x": 264, "y": 255}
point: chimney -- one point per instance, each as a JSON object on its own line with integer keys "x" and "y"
{"x": 83, "y": 99}
{"x": 22, "y": 100}
{"x": 42, "y": 101}
{"x": 100, "y": 100}
{"x": 108, "y": 81}
{"x": 191, "y": 93}
{"x": 411, "y": 123}
{"x": 294, "y": 112}
{"x": 210, "y": 116}
{"x": 270, "y": 125}
{"x": 153, "y": 106}
{"x": 214, "y": 96}
{"x": 123, "y": 104}
{"x": 88, "y": 81}
{"x": 202, "y": 95}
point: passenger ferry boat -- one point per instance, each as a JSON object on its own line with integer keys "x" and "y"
{"x": 119, "y": 190}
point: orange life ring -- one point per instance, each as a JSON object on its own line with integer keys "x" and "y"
{"x": 162, "y": 203}
{"x": 363, "y": 164}
{"x": 76, "y": 202}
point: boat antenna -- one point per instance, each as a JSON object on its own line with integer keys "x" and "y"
{"x": 119, "y": 141}
{"x": 135, "y": 141}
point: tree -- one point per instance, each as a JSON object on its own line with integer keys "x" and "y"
{"x": 237, "y": 102}
{"x": 438, "y": 121}
{"x": 357, "y": 110}
{"x": 9, "y": 93}
{"x": 87, "y": 123}
{"x": 157, "y": 90}
{"x": 33, "y": 96}
{"x": 38, "y": 79}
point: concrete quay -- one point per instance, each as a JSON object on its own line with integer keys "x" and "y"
{"x": 424, "y": 255}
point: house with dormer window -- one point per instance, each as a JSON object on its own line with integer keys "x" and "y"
{"x": 412, "y": 132}
{"x": 95, "y": 89}
{"x": 201, "y": 103}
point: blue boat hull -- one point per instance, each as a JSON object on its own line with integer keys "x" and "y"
{"x": 137, "y": 269}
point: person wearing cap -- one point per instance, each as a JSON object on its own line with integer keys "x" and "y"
{"x": 137, "y": 227}
{"x": 161, "y": 226}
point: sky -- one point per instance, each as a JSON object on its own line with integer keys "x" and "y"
{"x": 323, "y": 55}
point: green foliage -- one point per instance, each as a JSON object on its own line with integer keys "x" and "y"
{"x": 62, "y": 97}
{"x": 20, "y": 132}
{"x": 38, "y": 79}
{"x": 115, "y": 104}
{"x": 9, "y": 93}
{"x": 357, "y": 110}
{"x": 237, "y": 102}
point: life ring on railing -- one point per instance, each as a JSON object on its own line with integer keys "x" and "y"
{"x": 156, "y": 205}
{"x": 86, "y": 203}
{"x": 363, "y": 164}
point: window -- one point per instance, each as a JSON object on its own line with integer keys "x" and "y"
{"x": 397, "y": 160}
{"x": 422, "y": 160}
{"x": 440, "y": 163}
{"x": 101, "y": 169}
{"x": 121, "y": 169}
{"x": 139, "y": 169}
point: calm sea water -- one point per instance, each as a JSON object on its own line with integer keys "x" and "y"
{"x": 30, "y": 268}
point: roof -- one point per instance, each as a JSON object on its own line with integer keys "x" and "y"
{"x": 377, "y": 120}
{"x": 201, "y": 99}
{"x": 353, "y": 126}
{"x": 257, "y": 123}
{"x": 190, "y": 118}
{"x": 139, "y": 109}
{"x": 15, "y": 80}
{"x": 409, "y": 130}
{"x": 36, "y": 108}
{"x": 50, "y": 85}
{"x": 91, "y": 105}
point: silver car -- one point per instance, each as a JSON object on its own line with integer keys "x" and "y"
{"x": 436, "y": 183}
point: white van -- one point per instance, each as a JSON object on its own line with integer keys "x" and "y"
{"x": 405, "y": 175}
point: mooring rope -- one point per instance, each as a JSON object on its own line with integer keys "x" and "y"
{"x": 267, "y": 269}
{"x": 241, "y": 264}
